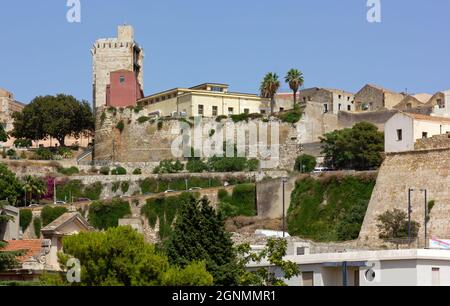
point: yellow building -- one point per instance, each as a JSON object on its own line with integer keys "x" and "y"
{"x": 208, "y": 100}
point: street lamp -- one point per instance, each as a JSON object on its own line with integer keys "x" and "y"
{"x": 425, "y": 192}
{"x": 285, "y": 180}
{"x": 410, "y": 191}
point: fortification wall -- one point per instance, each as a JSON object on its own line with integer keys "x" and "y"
{"x": 152, "y": 141}
{"x": 426, "y": 169}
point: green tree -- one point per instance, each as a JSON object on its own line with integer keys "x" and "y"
{"x": 358, "y": 148}
{"x": 274, "y": 253}
{"x": 53, "y": 116}
{"x": 8, "y": 259}
{"x": 10, "y": 186}
{"x": 199, "y": 235}
{"x": 50, "y": 214}
{"x": 393, "y": 225}
{"x": 34, "y": 186}
{"x": 104, "y": 215}
{"x": 269, "y": 88}
{"x": 26, "y": 216}
{"x": 121, "y": 257}
{"x": 3, "y": 135}
{"x": 295, "y": 79}
{"x": 305, "y": 163}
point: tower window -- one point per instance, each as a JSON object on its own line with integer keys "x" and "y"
{"x": 122, "y": 79}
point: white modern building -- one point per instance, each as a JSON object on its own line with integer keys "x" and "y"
{"x": 371, "y": 268}
{"x": 404, "y": 129}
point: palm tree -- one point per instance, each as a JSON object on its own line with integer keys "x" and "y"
{"x": 295, "y": 79}
{"x": 269, "y": 88}
{"x": 34, "y": 186}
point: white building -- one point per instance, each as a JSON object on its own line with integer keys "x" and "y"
{"x": 371, "y": 268}
{"x": 442, "y": 107}
{"x": 404, "y": 129}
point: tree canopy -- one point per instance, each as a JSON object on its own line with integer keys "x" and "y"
{"x": 269, "y": 88}
{"x": 394, "y": 224}
{"x": 53, "y": 116}
{"x": 295, "y": 79}
{"x": 358, "y": 148}
{"x": 199, "y": 235}
{"x": 121, "y": 257}
{"x": 10, "y": 186}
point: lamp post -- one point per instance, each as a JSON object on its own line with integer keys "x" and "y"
{"x": 285, "y": 179}
{"x": 425, "y": 192}
{"x": 410, "y": 190}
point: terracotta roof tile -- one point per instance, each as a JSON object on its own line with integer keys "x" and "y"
{"x": 427, "y": 118}
{"x": 32, "y": 248}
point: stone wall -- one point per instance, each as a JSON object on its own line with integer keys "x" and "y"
{"x": 435, "y": 142}
{"x": 427, "y": 169}
{"x": 152, "y": 141}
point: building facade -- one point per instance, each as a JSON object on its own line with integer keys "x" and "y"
{"x": 333, "y": 100}
{"x": 208, "y": 100}
{"x": 124, "y": 89}
{"x": 404, "y": 129}
{"x": 370, "y": 268}
{"x": 113, "y": 54}
{"x": 375, "y": 98}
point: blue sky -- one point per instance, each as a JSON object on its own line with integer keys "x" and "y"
{"x": 233, "y": 41}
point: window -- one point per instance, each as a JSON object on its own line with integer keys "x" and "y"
{"x": 424, "y": 135}
{"x": 200, "y": 110}
{"x": 230, "y": 111}
{"x": 215, "y": 111}
{"x": 340, "y": 106}
{"x": 308, "y": 279}
{"x": 122, "y": 79}
{"x": 246, "y": 111}
{"x": 436, "y": 277}
{"x": 399, "y": 135}
{"x": 325, "y": 108}
{"x": 408, "y": 106}
{"x": 281, "y": 109}
{"x": 218, "y": 89}
{"x": 340, "y": 97}
{"x": 263, "y": 112}
{"x": 349, "y": 108}
{"x": 440, "y": 103}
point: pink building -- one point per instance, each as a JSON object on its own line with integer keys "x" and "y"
{"x": 124, "y": 89}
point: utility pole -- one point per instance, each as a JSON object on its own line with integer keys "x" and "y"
{"x": 284, "y": 206}
{"x": 410, "y": 190}
{"x": 54, "y": 191}
{"x": 425, "y": 191}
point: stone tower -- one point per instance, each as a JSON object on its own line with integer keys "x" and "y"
{"x": 112, "y": 54}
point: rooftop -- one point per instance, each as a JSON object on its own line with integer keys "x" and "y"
{"x": 426, "y": 118}
{"x": 32, "y": 248}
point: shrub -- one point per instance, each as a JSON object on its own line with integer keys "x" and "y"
{"x": 212, "y": 133}
{"x": 23, "y": 143}
{"x": 169, "y": 166}
{"x": 292, "y": 116}
{"x": 119, "y": 171}
{"x": 148, "y": 185}
{"x": 160, "y": 125}
{"x": 138, "y": 108}
{"x": 220, "y": 118}
{"x": 23, "y": 155}
{"x": 253, "y": 164}
{"x": 11, "y": 153}
{"x": 143, "y": 119}
{"x": 120, "y": 126}
{"x": 104, "y": 170}
{"x": 50, "y": 214}
{"x": 305, "y": 163}
{"x": 69, "y": 171}
{"x": 242, "y": 202}
{"x": 94, "y": 191}
{"x": 43, "y": 154}
{"x": 26, "y": 216}
{"x": 196, "y": 166}
{"x": 102, "y": 118}
{"x": 137, "y": 172}
{"x": 65, "y": 152}
{"x": 321, "y": 209}
{"x": 115, "y": 187}
{"x": 104, "y": 215}
{"x": 37, "y": 224}
{"x": 125, "y": 187}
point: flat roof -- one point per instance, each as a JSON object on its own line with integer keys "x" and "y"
{"x": 363, "y": 256}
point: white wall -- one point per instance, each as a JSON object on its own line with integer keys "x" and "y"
{"x": 399, "y": 122}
